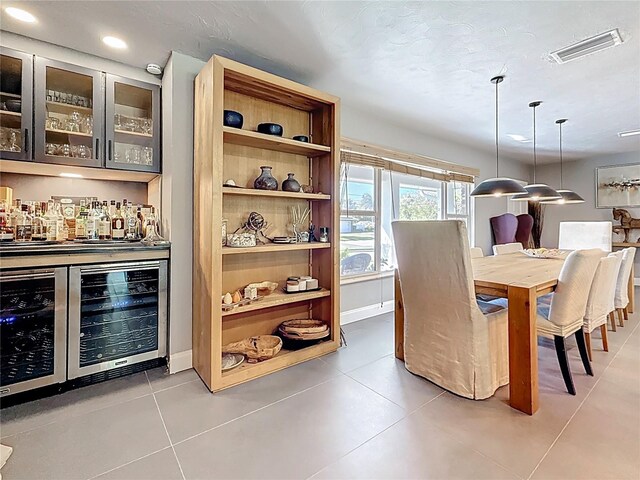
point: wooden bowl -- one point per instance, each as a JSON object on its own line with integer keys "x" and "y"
{"x": 256, "y": 349}
{"x": 264, "y": 288}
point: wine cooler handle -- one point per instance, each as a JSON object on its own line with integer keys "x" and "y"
{"x": 26, "y": 140}
{"x": 97, "y": 148}
{"x": 110, "y": 150}
{"x": 27, "y": 276}
{"x": 120, "y": 268}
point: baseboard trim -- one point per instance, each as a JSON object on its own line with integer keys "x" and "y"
{"x": 361, "y": 313}
{"x": 180, "y": 361}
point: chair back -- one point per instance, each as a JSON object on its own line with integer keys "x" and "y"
{"x": 507, "y": 248}
{"x": 585, "y": 235}
{"x": 504, "y": 228}
{"x": 569, "y": 301}
{"x": 621, "y": 299}
{"x": 603, "y": 287}
{"x": 476, "y": 252}
{"x": 525, "y": 225}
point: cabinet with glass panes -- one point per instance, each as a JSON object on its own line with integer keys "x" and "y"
{"x": 16, "y": 87}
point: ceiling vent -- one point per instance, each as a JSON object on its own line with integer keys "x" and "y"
{"x": 585, "y": 47}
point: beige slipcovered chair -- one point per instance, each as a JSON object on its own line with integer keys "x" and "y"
{"x": 600, "y": 302}
{"x": 583, "y": 235}
{"x": 621, "y": 300}
{"x": 476, "y": 252}
{"x": 449, "y": 338}
{"x": 507, "y": 248}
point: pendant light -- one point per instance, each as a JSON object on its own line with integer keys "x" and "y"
{"x": 568, "y": 196}
{"x": 498, "y": 186}
{"x": 536, "y": 192}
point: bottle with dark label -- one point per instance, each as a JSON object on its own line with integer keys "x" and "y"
{"x": 117, "y": 224}
{"x": 6, "y": 231}
{"x": 104, "y": 223}
{"x": 131, "y": 224}
{"x": 23, "y": 224}
{"x": 37, "y": 222}
{"x": 81, "y": 222}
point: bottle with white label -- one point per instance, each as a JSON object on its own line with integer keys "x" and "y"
{"x": 22, "y": 224}
{"x": 117, "y": 224}
{"x": 104, "y": 224}
{"x": 93, "y": 219}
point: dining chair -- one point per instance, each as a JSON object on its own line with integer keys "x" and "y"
{"x": 476, "y": 252}
{"x": 525, "y": 226}
{"x": 561, "y": 314}
{"x": 450, "y": 338}
{"x": 600, "y": 302}
{"x": 621, "y": 301}
{"x": 612, "y": 310}
{"x": 507, "y": 248}
{"x": 584, "y": 235}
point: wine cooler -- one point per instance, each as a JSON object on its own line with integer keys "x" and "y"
{"x": 33, "y": 322}
{"x": 117, "y": 315}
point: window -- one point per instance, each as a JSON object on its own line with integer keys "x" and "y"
{"x": 372, "y": 198}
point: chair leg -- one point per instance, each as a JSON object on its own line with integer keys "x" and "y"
{"x": 605, "y": 340}
{"x": 561, "y": 352}
{"x": 620, "y": 317}
{"x": 583, "y": 352}
{"x": 626, "y": 313}
{"x": 612, "y": 317}
{"x": 587, "y": 338}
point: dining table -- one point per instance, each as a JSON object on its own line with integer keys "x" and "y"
{"x": 521, "y": 279}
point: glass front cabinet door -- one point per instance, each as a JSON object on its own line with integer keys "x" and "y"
{"x": 69, "y": 112}
{"x": 132, "y": 124}
{"x": 16, "y": 90}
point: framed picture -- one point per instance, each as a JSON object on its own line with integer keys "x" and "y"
{"x": 618, "y": 186}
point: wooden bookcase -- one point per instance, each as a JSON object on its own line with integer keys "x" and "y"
{"x": 222, "y": 153}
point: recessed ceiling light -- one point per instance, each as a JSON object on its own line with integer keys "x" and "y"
{"x": 517, "y": 137}
{"x": 114, "y": 42}
{"x": 20, "y": 14}
{"x": 71, "y": 175}
{"x": 587, "y": 46}
{"x": 629, "y": 133}
{"x": 154, "y": 69}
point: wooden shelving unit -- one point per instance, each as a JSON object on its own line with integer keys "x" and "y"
{"x": 223, "y": 153}
{"x": 10, "y": 114}
{"x": 625, "y": 244}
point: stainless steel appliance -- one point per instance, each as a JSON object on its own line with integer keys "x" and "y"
{"x": 33, "y": 323}
{"x": 117, "y": 315}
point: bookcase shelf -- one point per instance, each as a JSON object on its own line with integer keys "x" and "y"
{"x": 223, "y": 153}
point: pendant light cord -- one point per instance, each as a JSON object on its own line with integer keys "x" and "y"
{"x": 561, "y": 167}
{"x": 497, "y": 158}
{"x": 534, "y": 145}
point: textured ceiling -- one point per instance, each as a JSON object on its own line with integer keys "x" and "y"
{"x": 425, "y": 65}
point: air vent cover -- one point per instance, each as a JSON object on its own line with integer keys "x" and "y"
{"x": 587, "y": 46}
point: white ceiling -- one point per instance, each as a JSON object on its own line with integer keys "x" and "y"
{"x": 425, "y": 65}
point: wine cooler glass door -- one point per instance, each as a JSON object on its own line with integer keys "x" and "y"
{"x": 117, "y": 315}
{"x": 33, "y": 308}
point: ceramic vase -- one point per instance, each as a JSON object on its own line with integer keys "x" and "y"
{"x": 265, "y": 181}
{"x": 290, "y": 184}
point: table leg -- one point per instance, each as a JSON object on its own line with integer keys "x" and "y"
{"x": 632, "y": 290}
{"x": 523, "y": 350}
{"x": 399, "y": 320}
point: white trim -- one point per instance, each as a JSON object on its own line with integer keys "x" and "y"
{"x": 180, "y": 361}
{"x": 366, "y": 277}
{"x": 361, "y": 313}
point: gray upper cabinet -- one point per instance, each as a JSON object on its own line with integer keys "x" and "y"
{"x": 132, "y": 125}
{"x": 69, "y": 114}
{"x": 16, "y": 107}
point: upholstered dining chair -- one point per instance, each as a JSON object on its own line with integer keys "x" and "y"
{"x": 584, "y": 235}
{"x": 507, "y": 248}
{"x": 612, "y": 310}
{"x": 504, "y": 228}
{"x": 449, "y": 338}
{"x": 476, "y": 252}
{"x": 600, "y": 302}
{"x": 621, "y": 300}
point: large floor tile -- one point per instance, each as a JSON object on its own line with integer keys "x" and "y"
{"x": 160, "y": 379}
{"x": 389, "y": 377}
{"x": 291, "y": 439}
{"x": 27, "y": 416}
{"x": 190, "y": 408}
{"x": 413, "y": 448}
{"x": 162, "y": 465}
{"x": 84, "y": 446}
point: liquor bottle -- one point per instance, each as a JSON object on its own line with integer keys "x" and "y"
{"x": 81, "y": 222}
{"x": 140, "y": 222}
{"x": 93, "y": 222}
{"x": 104, "y": 224}
{"x": 23, "y": 226}
{"x": 15, "y": 211}
{"x": 132, "y": 224}
{"x": 69, "y": 214}
{"x": 50, "y": 222}
{"x": 6, "y": 231}
{"x": 112, "y": 208}
{"x": 117, "y": 224}
{"x": 63, "y": 232}
{"x": 37, "y": 225}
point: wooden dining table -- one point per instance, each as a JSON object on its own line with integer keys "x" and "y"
{"x": 521, "y": 279}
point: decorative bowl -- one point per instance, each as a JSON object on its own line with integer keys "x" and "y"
{"x": 256, "y": 349}
{"x": 301, "y": 138}
{"x": 264, "y": 288}
{"x": 14, "y": 105}
{"x": 233, "y": 119}
{"x": 271, "y": 129}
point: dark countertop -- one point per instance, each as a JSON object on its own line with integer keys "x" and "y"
{"x": 27, "y": 249}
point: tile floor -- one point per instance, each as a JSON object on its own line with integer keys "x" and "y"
{"x": 353, "y": 414}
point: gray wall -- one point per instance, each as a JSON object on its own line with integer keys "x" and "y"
{"x": 579, "y": 176}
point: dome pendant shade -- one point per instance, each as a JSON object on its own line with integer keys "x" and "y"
{"x": 567, "y": 197}
{"x": 537, "y": 192}
{"x": 497, "y": 187}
